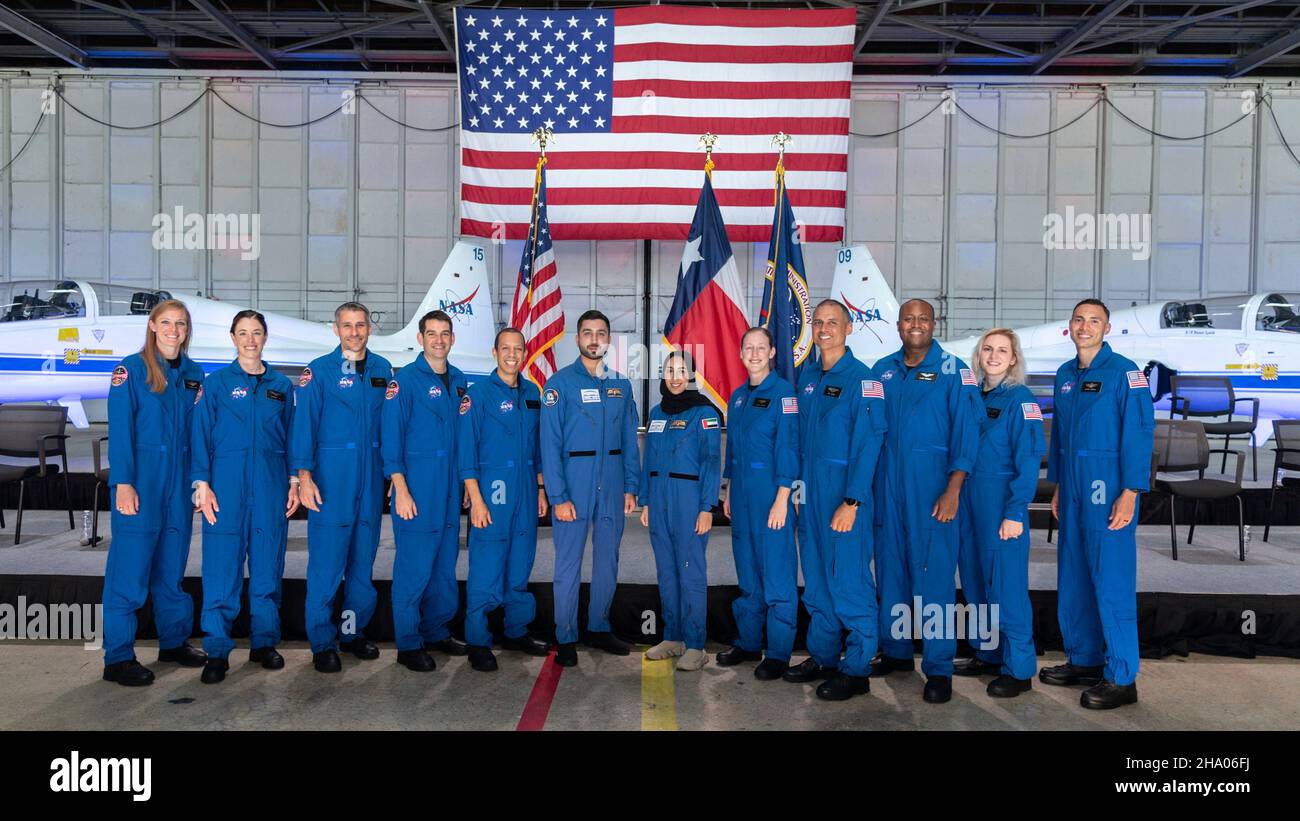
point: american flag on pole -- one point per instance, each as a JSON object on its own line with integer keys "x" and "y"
{"x": 536, "y": 310}
{"x": 627, "y": 92}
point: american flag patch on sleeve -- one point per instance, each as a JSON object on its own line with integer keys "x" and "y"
{"x": 968, "y": 377}
{"x": 1137, "y": 379}
{"x": 1031, "y": 410}
{"x": 872, "y": 389}
{"x": 789, "y": 404}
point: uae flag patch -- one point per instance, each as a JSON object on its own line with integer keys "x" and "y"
{"x": 709, "y": 423}
{"x": 1031, "y": 410}
{"x": 968, "y": 377}
{"x": 1137, "y": 379}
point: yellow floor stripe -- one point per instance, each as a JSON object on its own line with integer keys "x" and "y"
{"x": 658, "y": 702}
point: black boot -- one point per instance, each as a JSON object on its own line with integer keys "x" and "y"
{"x": 418, "y": 661}
{"x": 128, "y": 673}
{"x": 184, "y": 655}
{"x": 1108, "y": 695}
{"x": 267, "y": 657}
{"x": 566, "y": 655}
{"x": 736, "y": 654}
{"x": 481, "y": 658}
{"x": 770, "y": 669}
{"x": 976, "y": 667}
{"x": 525, "y": 644}
{"x": 327, "y": 661}
{"x": 363, "y": 648}
{"x": 451, "y": 645}
{"x": 806, "y": 671}
{"x": 608, "y": 642}
{"x": 884, "y": 665}
{"x": 938, "y": 689}
{"x": 1063, "y": 675}
{"x": 841, "y": 687}
{"x": 1009, "y": 686}
{"x": 214, "y": 671}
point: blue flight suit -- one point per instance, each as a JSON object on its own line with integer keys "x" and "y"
{"x": 336, "y": 429}
{"x": 934, "y": 411}
{"x": 239, "y": 447}
{"x": 149, "y": 449}
{"x": 590, "y": 458}
{"x": 1102, "y": 431}
{"x": 498, "y": 448}
{"x": 679, "y": 481}
{"x": 1001, "y": 487}
{"x": 842, "y": 422}
{"x": 763, "y": 456}
{"x": 419, "y": 441}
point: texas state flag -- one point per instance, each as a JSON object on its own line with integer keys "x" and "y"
{"x": 708, "y": 315}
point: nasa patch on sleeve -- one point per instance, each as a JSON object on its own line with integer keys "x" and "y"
{"x": 551, "y": 398}
{"x": 304, "y": 377}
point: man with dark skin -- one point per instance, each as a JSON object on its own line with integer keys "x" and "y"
{"x": 933, "y": 406}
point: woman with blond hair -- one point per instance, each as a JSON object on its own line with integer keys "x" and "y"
{"x": 150, "y": 404}
{"x": 994, "y": 557}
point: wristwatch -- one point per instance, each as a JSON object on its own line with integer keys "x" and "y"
{"x": 850, "y": 502}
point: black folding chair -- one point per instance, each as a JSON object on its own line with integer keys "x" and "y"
{"x": 33, "y": 432}
{"x": 1211, "y": 396}
{"x": 1181, "y": 446}
{"x": 101, "y": 480}
{"x": 1286, "y": 456}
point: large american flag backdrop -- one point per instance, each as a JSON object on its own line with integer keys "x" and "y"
{"x": 628, "y": 92}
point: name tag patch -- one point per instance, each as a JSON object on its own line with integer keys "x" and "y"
{"x": 927, "y": 376}
{"x": 192, "y": 384}
{"x": 833, "y": 391}
{"x": 678, "y": 424}
{"x": 590, "y": 395}
{"x": 1091, "y": 387}
{"x": 657, "y": 425}
{"x": 993, "y": 413}
{"x": 762, "y": 402}
{"x": 614, "y": 393}
{"x": 378, "y": 382}
{"x": 533, "y": 404}
{"x": 276, "y": 395}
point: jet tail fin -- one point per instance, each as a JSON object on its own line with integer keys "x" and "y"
{"x": 461, "y": 289}
{"x": 859, "y": 284}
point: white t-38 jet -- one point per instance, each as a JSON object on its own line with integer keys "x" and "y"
{"x": 1253, "y": 340}
{"x": 59, "y": 341}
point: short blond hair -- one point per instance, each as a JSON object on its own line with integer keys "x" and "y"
{"x": 1015, "y": 373}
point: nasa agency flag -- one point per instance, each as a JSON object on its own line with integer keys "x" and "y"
{"x": 708, "y": 317}
{"x": 786, "y": 309}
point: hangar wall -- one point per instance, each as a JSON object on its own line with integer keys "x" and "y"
{"x": 355, "y": 205}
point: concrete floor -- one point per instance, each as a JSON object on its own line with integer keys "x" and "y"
{"x": 57, "y": 686}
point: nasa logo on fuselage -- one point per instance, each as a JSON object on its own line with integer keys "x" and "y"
{"x": 457, "y": 307}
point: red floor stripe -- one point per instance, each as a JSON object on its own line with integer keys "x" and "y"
{"x": 539, "y": 700}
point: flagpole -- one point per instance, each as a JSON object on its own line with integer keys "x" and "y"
{"x": 542, "y": 135}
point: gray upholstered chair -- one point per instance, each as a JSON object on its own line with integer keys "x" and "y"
{"x": 33, "y": 432}
{"x": 1180, "y": 447}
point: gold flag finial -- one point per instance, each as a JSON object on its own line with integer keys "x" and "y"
{"x": 707, "y": 141}
{"x": 543, "y": 136}
{"x": 781, "y": 140}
